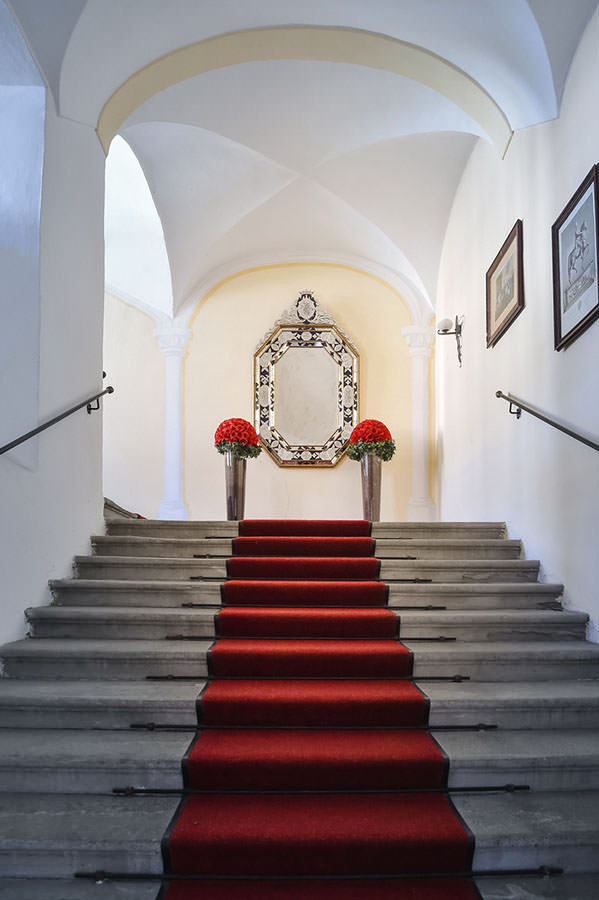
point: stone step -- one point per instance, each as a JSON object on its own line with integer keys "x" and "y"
{"x": 440, "y": 571}
{"x": 514, "y": 705}
{"x": 387, "y": 548}
{"x": 504, "y": 625}
{"x": 120, "y": 623}
{"x": 136, "y": 659}
{"x": 106, "y": 592}
{"x": 81, "y": 762}
{"x": 543, "y": 760}
{"x": 119, "y": 704}
{"x": 163, "y": 528}
{"x": 97, "y": 704}
{"x": 79, "y": 889}
{"x": 58, "y": 834}
{"x": 511, "y": 887}
{"x": 527, "y": 830}
{"x": 157, "y": 623}
{"x": 222, "y": 529}
{"x": 503, "y": 661}
{"x": 111, "y": 660}
{"x": 427, "y": 530}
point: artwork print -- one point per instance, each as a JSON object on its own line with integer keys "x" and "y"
{"x": 575, "y": 240}
{"x": 505, "y": 286}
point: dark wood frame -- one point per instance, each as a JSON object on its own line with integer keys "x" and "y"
{"x": 515, "y": 235}
{"x": 564, "y": 340}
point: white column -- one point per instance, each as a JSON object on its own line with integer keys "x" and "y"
{"x": 173, "y": 343}
{"x": 419, "y": 339}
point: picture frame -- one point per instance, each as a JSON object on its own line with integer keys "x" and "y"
{"x": 505, "y": 286}
{"x": 574, "y": 242}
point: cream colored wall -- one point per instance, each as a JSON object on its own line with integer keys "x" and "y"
{"x": 227, "y": 326}
{"x": 133, "y": 430}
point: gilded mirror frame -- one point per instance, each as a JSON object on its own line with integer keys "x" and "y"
{"x": 306, "y": 325}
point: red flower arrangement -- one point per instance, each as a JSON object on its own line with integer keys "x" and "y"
{"x": 371, "y": 436}
{"x": 237, "y": 436}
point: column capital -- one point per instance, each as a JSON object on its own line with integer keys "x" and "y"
{"x": 419, "y": 339}
{"x": 172, "y": 340}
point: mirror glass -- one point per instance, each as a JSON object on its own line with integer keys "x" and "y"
{"x": 306, "y": 387}
{"x": 306, "y": 395}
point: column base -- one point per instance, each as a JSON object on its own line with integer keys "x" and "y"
{"x": 421, "y": 510}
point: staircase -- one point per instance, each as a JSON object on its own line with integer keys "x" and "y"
{"x": 79, "y": 713}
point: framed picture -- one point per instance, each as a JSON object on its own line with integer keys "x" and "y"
{"x": 505, "y": 286}
{"x": 575, "y": 237}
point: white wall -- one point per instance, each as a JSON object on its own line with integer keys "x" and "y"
{"x": 21, "y": 159}
{"x": 133, "y": 416}
{"x": 48, "y": 513}
{"x": 543, "y": 483}
{"x": 22, "y": 112}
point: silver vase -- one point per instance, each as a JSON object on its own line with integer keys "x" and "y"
{"x": 371, "y": 486}
{"x": 235, "y": 485}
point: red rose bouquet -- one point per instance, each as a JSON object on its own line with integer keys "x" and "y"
{"x": 239, "y": 437}
{"x": 371, "y": 436}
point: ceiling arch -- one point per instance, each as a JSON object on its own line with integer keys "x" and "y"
{"x": 263, "y": 158}
{"x": 219, "y": 199}
{"x": 301, "y": 113}
{"x": 343, "y": 45}
{"x": 419, "y": 306}
{"x": 519, "y": 51}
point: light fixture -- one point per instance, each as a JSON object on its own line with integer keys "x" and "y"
{"x": 445, "y": 327}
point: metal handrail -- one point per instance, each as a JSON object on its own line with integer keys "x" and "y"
{"x": 516, "y": 407}
{"x": 30, "y": 434}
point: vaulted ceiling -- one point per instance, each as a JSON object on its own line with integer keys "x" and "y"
{"x": 280, "y": 130}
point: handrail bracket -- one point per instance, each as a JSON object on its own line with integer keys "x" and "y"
{"x": 513, "y": 410}
{"x": 516, "y": 406}
{"x": 91, "y": 404}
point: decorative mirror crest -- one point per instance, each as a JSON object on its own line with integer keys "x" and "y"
{"x": 306, "y": 387}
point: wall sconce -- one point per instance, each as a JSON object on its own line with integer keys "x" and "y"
{"x": 445, "y": 327}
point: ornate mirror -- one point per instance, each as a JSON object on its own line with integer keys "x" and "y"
{"x": 306, "y": 387}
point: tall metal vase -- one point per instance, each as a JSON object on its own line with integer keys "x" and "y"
{"x": 371, "y": 486}
{"x": 235, "y": 485}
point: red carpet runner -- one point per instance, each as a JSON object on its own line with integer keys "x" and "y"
{"x": 314, "y": 774}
